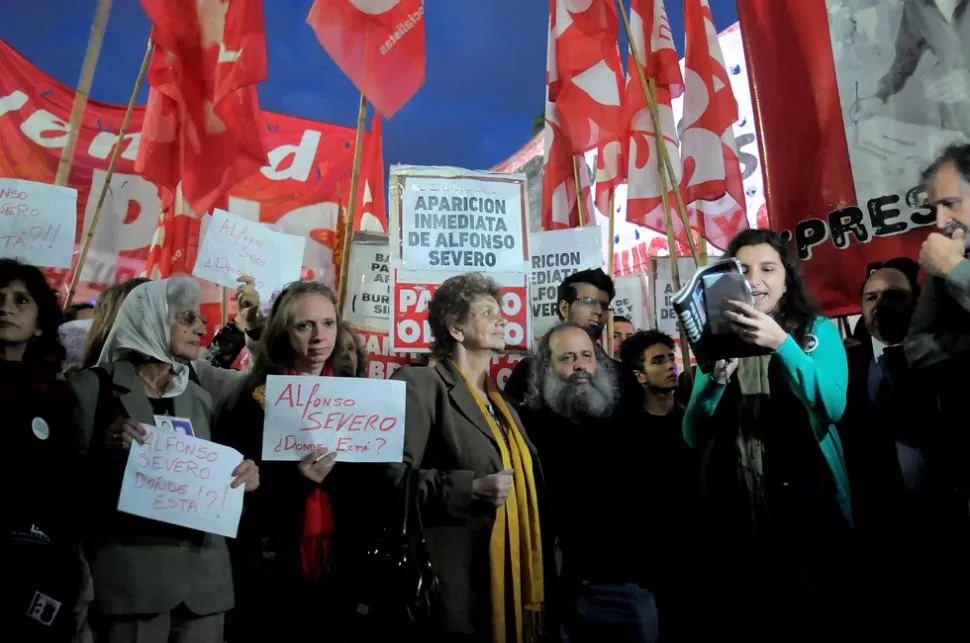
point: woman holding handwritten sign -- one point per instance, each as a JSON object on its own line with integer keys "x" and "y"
{"x": 477, "y": 473}
{"x": 284, "y": 542}
{"x": 151, "y": 578}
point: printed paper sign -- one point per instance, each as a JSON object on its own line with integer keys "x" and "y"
{"x": 663, "y": 291}
{"x": 37, "y": 222}
{"x": 368, "y": 302}
{"x": 362, "y": 419}
{"x": 631, "y": 300}
{"x": 234, "y": 246}
{"x": 412, "y": 295}
{"x": 381, "y": 360}
{"x": 181, "y": 480}
{"x": 461, "y": 221}
{"x": 556, "y": 255}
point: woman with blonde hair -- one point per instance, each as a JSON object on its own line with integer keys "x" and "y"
{"x": 476, "y": 474}
{"x": 282, "y": 550}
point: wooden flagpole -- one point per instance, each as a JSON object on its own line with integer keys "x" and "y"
{"x": 650, "y": 93}
{"x": 352, "y": 205}
{"x": 122, "y": 130}
{"x": 83, "y": 90}
{"x": 580, "y": 206}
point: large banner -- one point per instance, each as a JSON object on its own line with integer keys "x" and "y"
{"x": 854, "y": 98}
{"x": 298, "y": 192}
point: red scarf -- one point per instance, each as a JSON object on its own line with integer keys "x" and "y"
{"x": 317, "y": 520}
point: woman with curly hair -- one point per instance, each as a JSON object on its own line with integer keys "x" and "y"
{"x": 476, "y": 474}
{"x": 39, "y": 430}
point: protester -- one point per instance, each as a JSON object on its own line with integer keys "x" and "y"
{"x": 151, "y": 579}
{"x": 477, "y": 476}
{"x": 773, "y": 481}
{"x": 45, "y": 572}
{"x": 623, "y": 329}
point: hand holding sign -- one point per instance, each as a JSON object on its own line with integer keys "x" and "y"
{"x": 361, "y": 420}
{"x": 186, "y": 481}
{"x": 318, "y": 464}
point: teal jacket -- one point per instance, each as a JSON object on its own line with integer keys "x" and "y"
{"x": 819, "y": 377}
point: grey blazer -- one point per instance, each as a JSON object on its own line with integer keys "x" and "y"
{"x": 449, "y": 441}
{"x": 141, "y": 566}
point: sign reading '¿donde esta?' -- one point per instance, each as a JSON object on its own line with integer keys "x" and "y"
{"x": 461, "y": 221}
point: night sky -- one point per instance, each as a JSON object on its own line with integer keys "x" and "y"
{"x": 485, "y": 75}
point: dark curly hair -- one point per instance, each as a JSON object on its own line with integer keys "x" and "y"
{"x": 631, "y": 353}
{"x": 45, "y": 351}
{"x": 594, "y": 277}
{"x": 796, "y": 310}
{"x": 451, "y": 305}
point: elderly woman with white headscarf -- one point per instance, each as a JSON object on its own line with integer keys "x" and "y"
{"x": 153, "y": 581}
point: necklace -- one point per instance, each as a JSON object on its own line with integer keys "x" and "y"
{"x": 155, "y": 392}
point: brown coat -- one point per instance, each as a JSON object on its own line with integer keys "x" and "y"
{"x": 449, "y": 441}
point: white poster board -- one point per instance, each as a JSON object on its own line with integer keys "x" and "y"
{"x": 234, "y": 246}
{"x": 368, "y": 302}
{"x": 182, "y": 480}
{"x": 361, "y": 419}
{"x": 556, "y": 255}
{"x": 38, "y": 222}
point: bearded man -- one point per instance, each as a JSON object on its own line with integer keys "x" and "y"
{"x": 607, "y": 502}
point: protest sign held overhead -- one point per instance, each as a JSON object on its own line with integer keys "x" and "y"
{"x": 556, "y": 255}
{"x": 412, "y": 295}
{"x": 456, "y": 221}
{"x": 234, "y": 246}
{"x": 37, "y": 222}
{"x": 182, "y": 480}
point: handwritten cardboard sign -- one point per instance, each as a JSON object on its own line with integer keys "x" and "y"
{"x": 184, "y": 481}
{"x": 73, "y": 336}
{"x": 234, "y": 246}
{"x": 37, "y": 222}
{"x": 362, "y": 419}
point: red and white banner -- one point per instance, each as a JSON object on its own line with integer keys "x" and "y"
{"x": 412, "y": 293}
{"x": 849, "y": 112}
{"x": 299, "y": 191}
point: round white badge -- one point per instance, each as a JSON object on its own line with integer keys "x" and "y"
{"x": 40, "y": 428}
{"x": 810, "y": 343}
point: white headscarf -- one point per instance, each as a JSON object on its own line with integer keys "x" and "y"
{"x": 144, "y": 326}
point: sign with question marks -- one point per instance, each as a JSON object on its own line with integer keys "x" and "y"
{"x": 37, "y": 222}
{"x": 182, "y": 480}
{"x": 361, "y": 419}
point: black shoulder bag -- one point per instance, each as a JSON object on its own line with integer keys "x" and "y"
{"x": 400, "y": 586}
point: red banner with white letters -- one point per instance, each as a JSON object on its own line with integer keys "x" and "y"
{"x": 299, "y": 191}
{"x": 847, "y": 117}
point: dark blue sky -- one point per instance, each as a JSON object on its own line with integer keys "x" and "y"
{"x": 485, "y": 75}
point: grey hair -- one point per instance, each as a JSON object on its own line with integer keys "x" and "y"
{"x": 182, "y": 293}
{"x": 958, "y": 154}
{"x": 542, "y": 362}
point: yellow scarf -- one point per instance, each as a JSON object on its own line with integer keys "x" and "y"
{"x": 516, "y": 526}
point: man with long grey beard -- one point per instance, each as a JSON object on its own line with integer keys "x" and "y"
{"x": 607, "y": 510}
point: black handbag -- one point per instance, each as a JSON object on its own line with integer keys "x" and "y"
{"x": 401, "y": 588}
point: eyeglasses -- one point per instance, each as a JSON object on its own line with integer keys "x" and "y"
{"x": 593, "y": 301}
{"x": 189, "y": 317}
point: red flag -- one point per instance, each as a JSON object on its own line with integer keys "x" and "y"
{"x": 654, "y": 46}
{"x": 370, "y": 213}
{"x": 584, "y": 74}
{"x": 379, "y": 44}
{"x": 202, "y": 122}
{"x": 712, "y": 180}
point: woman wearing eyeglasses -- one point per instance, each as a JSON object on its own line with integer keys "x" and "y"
{"x": 153, "y": 581}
